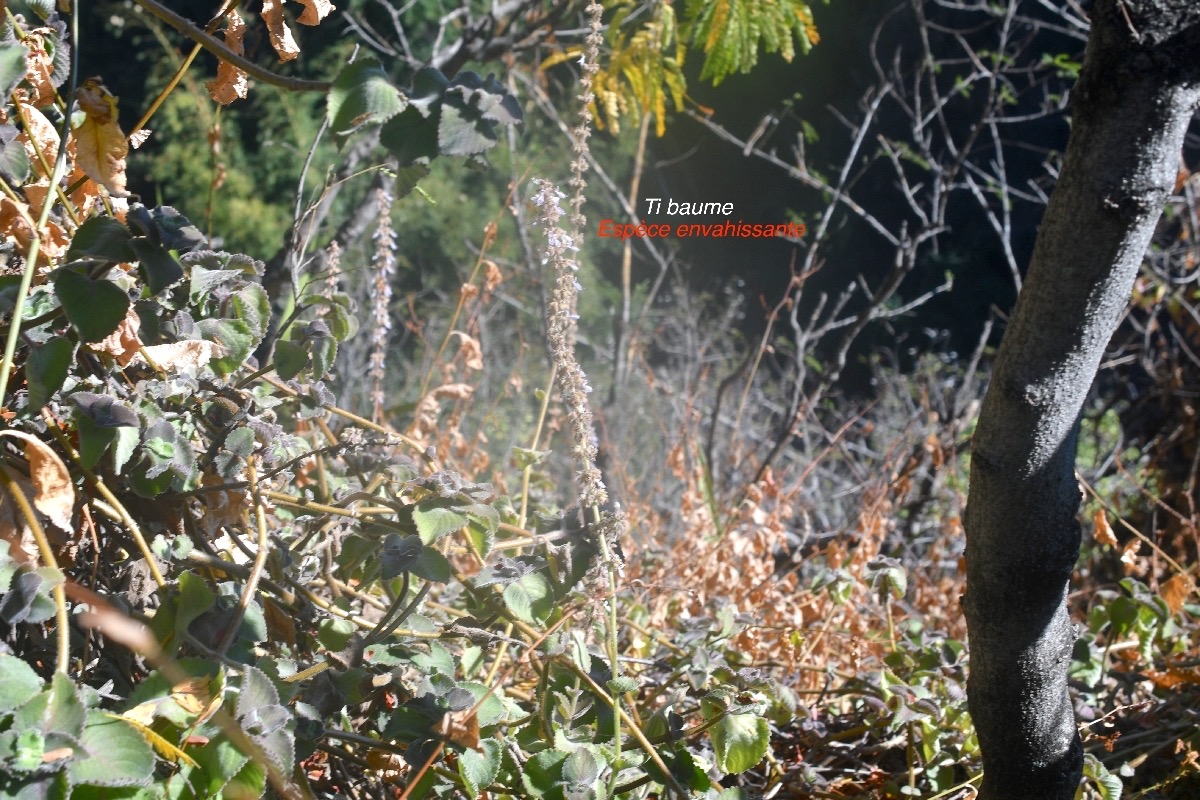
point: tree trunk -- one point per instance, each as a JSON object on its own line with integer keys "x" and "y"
{"x": 1137, "y": 91}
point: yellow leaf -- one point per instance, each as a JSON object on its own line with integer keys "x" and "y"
{"x": 314, "y": 11}
{"x": 1102, "y": 531}
{"x": 160, "y": 744}
{"x": 100, "y": 146}
{"x": 231, "y": 83}
{"x": 281, "y": 35}
{"x": 54, "y": 494}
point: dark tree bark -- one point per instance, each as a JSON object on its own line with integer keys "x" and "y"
{"x": 1137, "y": 92}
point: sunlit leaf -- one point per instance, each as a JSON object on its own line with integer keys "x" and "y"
{"x": 231, "y": 82}
{"x": 100, "y": 146}
{"x": 362, "y": 95}
{"x": 280, "y": 34}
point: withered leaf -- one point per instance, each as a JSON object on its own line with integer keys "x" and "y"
{"x": 314, "y": 11}
{"x": 1102, "y": 531}
{"x": 281, "y": 35}
{"x": 123, "y": 343}
{"x": 100, "y": 146}
{"x": 231, "y": 83}
{"x": 53, "y": 492}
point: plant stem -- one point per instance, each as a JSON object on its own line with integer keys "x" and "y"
{"x": 47, "y": 554}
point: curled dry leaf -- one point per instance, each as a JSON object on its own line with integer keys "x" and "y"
{"x": 187, "y": 356}
{"x": 470, "y": 351}
{"x": 281, "y": 35}
{"x": 231, "y": 83}
{"x": 493, "y": 276}
{"x": 1176, "y": 590}
{"x": 53, "y": 492}
{"x": 314, "y": 11}
{"x": 1129, "y": 554}
{"x": 123, "y": 343}
{"x": 1102, "y": 531}
{"x": 39, "y": 65}
{"x": 100, "y": 146}
{"x": 139, "y": 137}
{"x": 38, "y": 135}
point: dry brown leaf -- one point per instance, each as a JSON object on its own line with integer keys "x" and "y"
{"x": 493, "y": 277}
{"x": 14, "y": 528}
{"x": 100, "y": 146}
{"x": 314, "y": 11}
{"x": 139, "y": 137}
{"x": 231, "y": 83}
{"x": 1176, "y": 590}
{"x": 39, "y": 66}
{"x": 53, "y": 492}
{"x": 280, "y": 625}
{"x": 187, "y": 356}
{"x": 469, "y": 350}
{"x": 38, "y": 135}
{"x": 123, "y": 343}
{"x": 1129, "y": 553}
{"x": 1102, "y": 531}
{"x": 281, "y": 35}
{"x": 195, "y": 696}
{"x": 460, "y": 728}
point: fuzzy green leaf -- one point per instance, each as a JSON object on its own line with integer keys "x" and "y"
{"x": 362, "y": 95}
{"x": 740, "y": 741}
{"x": 478, "y": 768}
{"x": 95, "y": 308}
{"x": 117, "y": 755}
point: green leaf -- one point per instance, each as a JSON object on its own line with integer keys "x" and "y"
{"x": 462, "y": 131}
{"x": 407, "y": 178}
{"x": 362, "y": 95}
{"x": 581, "y": 767}
{"x": 101, "y": 239}
{"x": 157, "y": 266}
{"x": 18, "y": 682}
{"x": 529, "y": 598}
{"x": 95, "y": 308}
{"x": 432, "y": 566}
{"x": 740, "y": 741}
{"x": 543, "y": 773}
{"x": 117, "y": 755}
{"x": 289, "y": 359}
{"x": 482, "y": 537}
{"x": 14, "y": 161}
{"x": 411, "y": 136}
{"x": 324, "y": 352}
{"x": 398, "y": 554}
{"x": 256, "y": 692}
{"x": 28, "y": 749}
{"x": 434, "y": 520}
{"x": 478, "y": 768}
{"x": 236, "y": 339}
{"x": 334, "y": 633}
{"x": 491, "y": 708}
{"x": 46, "y": 369}
{"x": 93, "y": 439}
{"x": 251, "y": 305}
{"x": 12, "y": 68}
